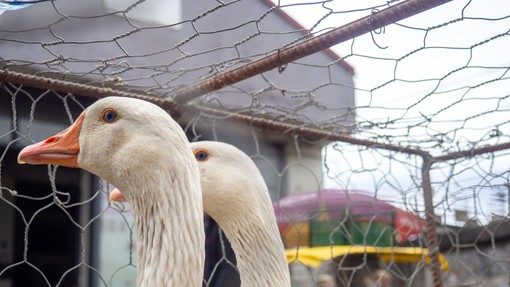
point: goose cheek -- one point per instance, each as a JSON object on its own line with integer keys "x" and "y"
{"x": 61, "y": 149}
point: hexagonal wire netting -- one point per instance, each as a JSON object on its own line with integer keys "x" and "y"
{"x": 388, "y": 118}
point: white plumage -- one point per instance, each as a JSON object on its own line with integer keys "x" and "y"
{"x": 236, "y": 197}
{"x": 138, "y": 147}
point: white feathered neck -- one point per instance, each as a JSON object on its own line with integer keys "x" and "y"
{"x": 236, "y": 197}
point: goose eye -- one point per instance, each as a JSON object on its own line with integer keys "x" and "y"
{"x": 109, "y": 116}
{"x": 201, "y": 155}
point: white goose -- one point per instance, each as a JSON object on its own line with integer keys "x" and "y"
{"x": 122, "y": 140}
{"x": 236, "y": 197}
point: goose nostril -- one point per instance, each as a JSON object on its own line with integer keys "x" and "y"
{"x": 51, "y": 140}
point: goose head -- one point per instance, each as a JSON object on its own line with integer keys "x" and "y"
{"x": 230, "y": 178}
{"x": 114, "y": 138}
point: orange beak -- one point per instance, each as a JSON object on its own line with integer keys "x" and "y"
{"x": 116, "y": 196}
{"x": 61, "y": 149}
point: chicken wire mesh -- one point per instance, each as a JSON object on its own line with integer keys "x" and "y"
{"x": 409, "y": 116}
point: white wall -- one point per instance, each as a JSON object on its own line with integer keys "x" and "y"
{"x": 304, "y": 169}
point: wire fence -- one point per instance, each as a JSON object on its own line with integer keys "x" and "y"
{"x": 398, "y": 108}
